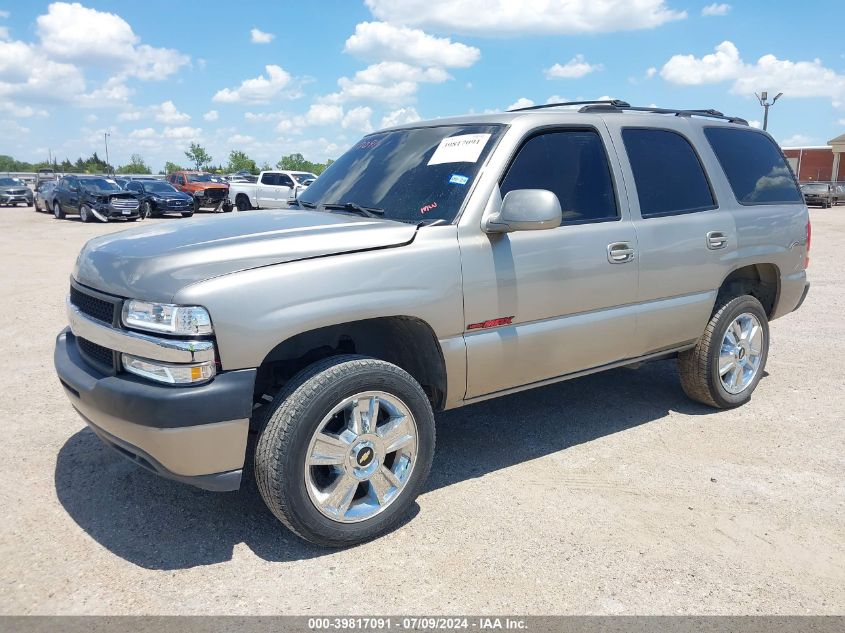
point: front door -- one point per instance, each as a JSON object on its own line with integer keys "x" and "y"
{"x": 543, "y": 304}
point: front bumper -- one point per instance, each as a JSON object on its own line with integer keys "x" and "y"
{"x": 196, "y": 435}
{"x": 15, "y": 198}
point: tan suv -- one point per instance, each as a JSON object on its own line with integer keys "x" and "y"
{"x": 433, "y": 265}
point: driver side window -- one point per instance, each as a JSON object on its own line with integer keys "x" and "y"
{"x": 573, "y": 165}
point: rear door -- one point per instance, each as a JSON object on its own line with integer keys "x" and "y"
{"x": 267, "y": 186}
{"x": 687, "y": 241}
{"x": 543, "y": 304}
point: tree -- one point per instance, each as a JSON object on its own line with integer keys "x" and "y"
{"x": 239, "y": 161}
{"x": 294, "y": 162}
{"x": 198, "y": 156}
{"x": 169, "y": 167}
{"x": 136, "y": 166}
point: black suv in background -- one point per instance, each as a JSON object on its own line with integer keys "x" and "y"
{"x": 159, "y": 197}
{"x": 94, "y": 198}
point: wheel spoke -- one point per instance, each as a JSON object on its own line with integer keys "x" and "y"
{"x": 736, "y": 330}
{"x": 328, "y": 450}
{"x": 726, "y": 363}
{"x": 396, "y": 434}
{"x": 364, "y": 415}
{"x": 381, "y": 482}
{"x": 736, "y": 379}
{"x": 339, "y": 495}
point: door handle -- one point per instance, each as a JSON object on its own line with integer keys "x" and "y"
{"x": 619, "y": 253}
{"x": 716, "y": 240}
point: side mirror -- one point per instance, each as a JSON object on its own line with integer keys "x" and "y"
{"x": 526, "y": 210}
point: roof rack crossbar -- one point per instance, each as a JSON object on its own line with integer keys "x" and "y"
{"x": 709, "y": 113}
{"x": 617, "y": 103}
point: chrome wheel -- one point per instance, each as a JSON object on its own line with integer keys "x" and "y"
{"x": 361, "y": 456}
{"x": 741, "y": 353}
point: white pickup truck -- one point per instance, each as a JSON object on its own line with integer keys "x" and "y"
{"x": 273, "y": 190}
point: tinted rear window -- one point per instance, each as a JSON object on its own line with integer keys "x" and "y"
{"x": 667, "y": 172}
{"x": 754, "y": 165}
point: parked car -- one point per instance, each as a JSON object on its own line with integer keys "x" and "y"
{"x": 43, "y": 201}
{"x": 207, "y": 193}
{"x": 433, "y": 265}
{"x": 13, "y": 192}
{"x": 160, "y": 198}
{"x": 94, "y": 198}
{"x": 273, "y": 190}
{"x": 45, "y": 174}
{"x": 818, "y": 193}
{"x": 838, "y": 194}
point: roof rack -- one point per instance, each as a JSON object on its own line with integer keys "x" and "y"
{"x": 610, "y": 102}
{"x": 709, "y": 113}
{"x": 617, "y": 105}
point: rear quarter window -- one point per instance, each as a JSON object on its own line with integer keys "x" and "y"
{"x": 754, "y": 165}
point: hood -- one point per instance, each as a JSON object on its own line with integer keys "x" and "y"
{"x": 108, "y": 193}
{"x": 204, "y": 185}
{"x": 155, "y": 262}
{"x": 5, "y": 188}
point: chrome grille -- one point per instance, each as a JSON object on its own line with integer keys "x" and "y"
{"x": 123, "y": 203}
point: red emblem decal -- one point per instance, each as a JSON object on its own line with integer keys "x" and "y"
{"x": 428, "y": 207}
{"x": 491, "y": 323}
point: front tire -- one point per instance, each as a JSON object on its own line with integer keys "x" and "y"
{"x": 57, "y": 211}
{"x": 727, "y": 362}
{"x": 345, "y": 449}
{"x": 84, "y": 214}
{"x": 243, "y": 203}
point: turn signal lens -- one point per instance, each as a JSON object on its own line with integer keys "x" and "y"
{"x": 168, "y": 373}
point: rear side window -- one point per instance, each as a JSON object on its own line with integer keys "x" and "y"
{"x": 573, "y": 165}
{"x": 669, "y": 177}
{"x": 270, "y": 179}
{"x": 754, "y": 165}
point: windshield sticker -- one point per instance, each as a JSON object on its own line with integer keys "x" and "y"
{"x": 465, "y": 148}
{"x": 457, "y": 179}
{"x": 428, "y": 207}
{"x": 369, "y": 143}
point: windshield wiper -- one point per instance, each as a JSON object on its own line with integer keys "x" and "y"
{"x": 367, "y": 212}
{"x": 302, "y": 203}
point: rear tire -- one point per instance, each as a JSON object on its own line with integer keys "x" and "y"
{"x": 319, "y": 407}
{"x": 719, "y": 373}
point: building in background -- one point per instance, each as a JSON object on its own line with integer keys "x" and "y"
{"x": 822, "y": 163}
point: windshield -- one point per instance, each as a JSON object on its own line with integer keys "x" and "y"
{"x": 300, "y": 177}
{"x": 413, "y": 175}
{"x": 8, "y": 182}
{"x": 814, "y": 188}
{"x": 103, "y": 184}
{"x": 159, "y": 186}
{"x": 199, "y": 178}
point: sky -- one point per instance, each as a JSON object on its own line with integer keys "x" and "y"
{"x": 272, "y": 78}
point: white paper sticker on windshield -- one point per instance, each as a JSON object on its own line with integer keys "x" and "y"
{"x": 465, "y": 148}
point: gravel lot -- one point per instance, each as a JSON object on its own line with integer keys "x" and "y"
{"x": 611, "y": 494}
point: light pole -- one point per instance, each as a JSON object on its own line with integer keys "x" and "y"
{"x": 763, "y": 99}
{"x": 106, "y": 139}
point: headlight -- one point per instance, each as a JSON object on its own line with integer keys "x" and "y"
{"x": 199, "y": 193}
{"x": 165, "y": 317}
{"x": 167, "y": 372}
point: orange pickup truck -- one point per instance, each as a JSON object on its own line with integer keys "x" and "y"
{"x": 207, "y": 193}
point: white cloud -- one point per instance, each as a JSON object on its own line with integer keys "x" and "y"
{"x": 358, "y": 119}
{"x": 240, "y": 139}
{"x": 182, "y": 132}
{"x": 557, "y": 99}
{"x": 716, "y": 9}
{"x": 140, "y": 133}
{"x": 112, "y": 93}
{"x": 4, "y": 32}
{"x": 4, "y": 14}
{"x": 27, "y": 73}
{"x": 73, "y": 33}
{"x": 840, "y": 122}
{"x": 21, "y": 111}
{"x": 264, "y": 116}
{"x": 800, "y": 79}
{"x": 323, "y": 114}
{"x": 211, "y": 115}
{"x": 506, "y": 17}
{"x": 259, "y": 89}
{"x": 9, "y": 128}
{"x": 167, "y": 112}
{"x": 387, "y": 42}
{"x": 389, "y": 72}
{"x": 400, "y": 117}
{"x": 755, "y": 123}
{"x": 651, "y": 72}
{"x": 573, "y": 69}
{"x": 391, "y": 83}
{"x": 257, "y": 36}
{"x": 522, "y": 102}
{"x": 132, "y": 115}
{"x": 797, "y": 140}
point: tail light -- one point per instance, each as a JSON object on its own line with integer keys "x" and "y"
{"x": 809, "y": 238}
